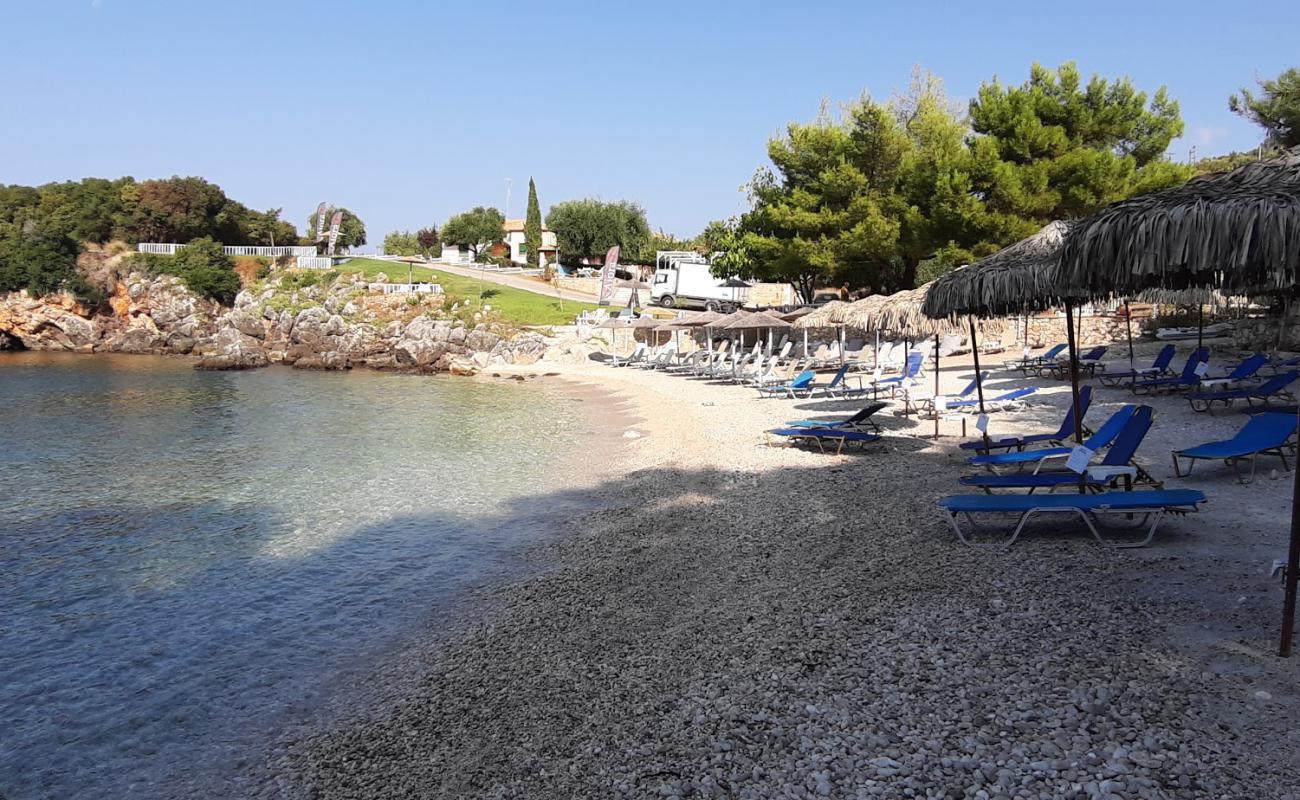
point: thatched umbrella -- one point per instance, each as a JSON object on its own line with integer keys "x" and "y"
{"x": 901, "y": 313}
{"x": 725, "y": 320}
{"x": 706, "y": 320}
{"x": 614, "y": 324}
{"x": 830, "y": 315}
{"x": 1238, "y": 231}
{"x": 1018, "y": 279}
{"x": 801, "y": 311}
{"x": 760, "y": 321}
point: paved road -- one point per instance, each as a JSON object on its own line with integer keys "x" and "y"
{"x": 518, "y": 282}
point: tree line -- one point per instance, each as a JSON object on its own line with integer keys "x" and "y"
{"x": 889, "y": 194}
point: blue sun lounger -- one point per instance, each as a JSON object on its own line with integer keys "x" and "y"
{"x": 1087, "y": 364}
{"x": 927, "y": 403}
{"x": 912, "y": 369}
{"x": 802, "y": 383}
{"x": 1158, "y": 368}
{"x": 1263, "y": 435}
{"x": 1020, "y": 442}
{"x": 1275, "y": 386}
{"x": 860, "y": 420}
{"x": 1188, "y": 379}
{"x": 1028, "y": 364}
{"x": 1102, "y": 438}
{"x": 1152, "y": 504}
{"x": 998, "y": 403}
{"x": 820, "y": 436}
{"x": 836, "y": 383}
{"x": 1117, "y": 463}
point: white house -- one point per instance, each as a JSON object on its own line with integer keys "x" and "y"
{"x": 514, "y": 240}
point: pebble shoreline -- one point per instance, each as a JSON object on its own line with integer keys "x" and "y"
{"x": 752, "y": 622}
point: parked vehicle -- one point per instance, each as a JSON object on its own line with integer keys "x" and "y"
{"x": 683, "y": 279}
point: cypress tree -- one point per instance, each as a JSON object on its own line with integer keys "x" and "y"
{"x": 533, "y": 226}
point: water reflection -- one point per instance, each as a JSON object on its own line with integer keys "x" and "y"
{"x": 186, "y": 555}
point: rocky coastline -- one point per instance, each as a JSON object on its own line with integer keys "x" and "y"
{"x": 339, "y": 323}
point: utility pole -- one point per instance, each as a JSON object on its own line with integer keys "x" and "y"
{"x": 509, "y": 181}
{"x": 1191, "y": 156}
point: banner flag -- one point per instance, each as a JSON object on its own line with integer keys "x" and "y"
{"x": 334, "y": 230}
{"x": 607, "y": 276}
{"x": 320, "y": 222}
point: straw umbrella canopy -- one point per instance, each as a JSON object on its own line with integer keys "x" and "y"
{"x": 759, "y": 321}
{"x": 826, "y": 316}
{"x": 1238, "y": 231}
{"x": 801, "y": 311}
{"x": 1018, "y": 279}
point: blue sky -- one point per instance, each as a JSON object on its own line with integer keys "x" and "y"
{"x": 407, "y": 112}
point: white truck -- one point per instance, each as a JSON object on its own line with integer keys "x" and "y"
{"x": 683, "y": 279}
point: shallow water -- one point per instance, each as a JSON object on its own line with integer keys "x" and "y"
{"x": 186, "y": 558}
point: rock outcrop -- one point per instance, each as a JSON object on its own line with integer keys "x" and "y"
{"x": 325, "y": 326}
{"x": 143, "y": 315}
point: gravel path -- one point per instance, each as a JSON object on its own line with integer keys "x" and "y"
{"x": 745, "y": 621}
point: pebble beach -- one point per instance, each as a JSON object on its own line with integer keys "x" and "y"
{"x": 734, "y": 619}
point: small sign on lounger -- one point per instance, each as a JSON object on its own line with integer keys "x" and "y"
{"x": 940, "y": 402}
{"x": 1079, "y": 458}
{"x": 1202, "y": 368}
{"x": 982, "y": 423}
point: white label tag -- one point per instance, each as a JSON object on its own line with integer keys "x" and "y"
{"x": 1079, "y": 458}
{"x": 1202, "y": 368}
{"x": 1025, "y": 353}
{"x": 982, "y": 423}
{"x": 940, "y": 402}
{"x": 907, "y": 383}
{"x": 877, "y": 373}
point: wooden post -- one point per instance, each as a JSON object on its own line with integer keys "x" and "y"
{"x": 1292, "y": 571}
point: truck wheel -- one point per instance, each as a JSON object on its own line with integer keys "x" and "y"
{"x": 712, "y": 305}
{"x": 667, "y": 301}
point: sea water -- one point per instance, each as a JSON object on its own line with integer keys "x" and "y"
{"x": 187, "y": 558}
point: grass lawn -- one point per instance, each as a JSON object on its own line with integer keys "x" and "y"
{"x": 516, "y": 305}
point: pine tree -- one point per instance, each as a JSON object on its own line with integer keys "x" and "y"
{"x": 533, "y": 226}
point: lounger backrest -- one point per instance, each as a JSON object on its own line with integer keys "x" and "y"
{"x": 1248, "y": 367}
{"x": 839, "y": 376}
{"x": 1094, "y": 354}
{"x": 1198, "y": 355}
{"x": 1267, "y": 430}
{"x": 865, "y": 413}
{"x": 1054, "y": 352}
{"x": 1130, "y": 438}
{"x": 1015, "y": 394}
{"x": 914, "y": 361}
{"x": 1164, "y": 358}
{"x": 1067, "y": 425}
{"x": 786, "y": 347}
{"x": 1110, "y": 428}
{"x": 803, "y": 379}
{"x": 1276, "y": 383}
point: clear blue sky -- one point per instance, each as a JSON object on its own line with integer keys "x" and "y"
{"x": 407, "y": 112}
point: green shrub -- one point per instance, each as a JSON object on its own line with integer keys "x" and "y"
{"x": 200, "y": 265}
{"x": 44, "y": 263}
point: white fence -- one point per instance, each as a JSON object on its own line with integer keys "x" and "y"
{"x": 315, "y": 262}
{"x": 411, "y": 288}
{"x": 161, "y": 249}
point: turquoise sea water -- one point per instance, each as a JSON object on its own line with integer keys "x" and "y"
{"x": 186, "y": 558}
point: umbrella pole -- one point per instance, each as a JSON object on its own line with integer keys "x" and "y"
{"x": 1200, "y": 325}
{"x": 805, "y": 342}
{"x": 841, "y": 345}
{"x": 936, "y": 390}
{"x": 1128, "y": 327}
{"x": 1292, "y": 572}
{"x": 979, "y": 383}
{"x": 1074, "y": 386}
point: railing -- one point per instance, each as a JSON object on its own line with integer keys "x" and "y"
{"x": 315, "y": 262}
{"x": 411, "y": 288}
{"x": 158, "y": 248}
